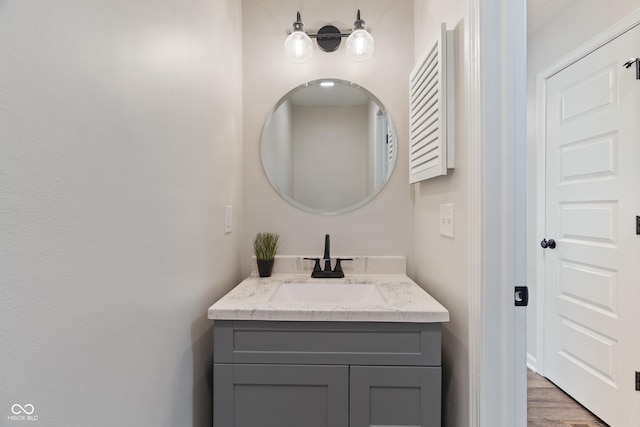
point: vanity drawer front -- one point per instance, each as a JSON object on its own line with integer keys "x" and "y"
{"x": 350, "y": 343}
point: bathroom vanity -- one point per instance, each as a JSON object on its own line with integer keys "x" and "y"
{"x": 292, "y": 351}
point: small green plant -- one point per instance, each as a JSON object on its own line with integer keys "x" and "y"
{"x": 265, "y": 245}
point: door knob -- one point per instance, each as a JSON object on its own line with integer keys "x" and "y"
{"x": 551, "y": 244}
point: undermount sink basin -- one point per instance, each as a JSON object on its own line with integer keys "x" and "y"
{"x": 327, "y": 293}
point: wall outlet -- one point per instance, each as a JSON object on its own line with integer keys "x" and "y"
{"x": 228, "y": 219}
{"x": 447, "y": 220}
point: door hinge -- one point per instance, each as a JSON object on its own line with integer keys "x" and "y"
{"x": 521, "y": 296}
{"x": 637, "y": 381}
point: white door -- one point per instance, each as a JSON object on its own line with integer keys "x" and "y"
{"x": 592, "y": 277}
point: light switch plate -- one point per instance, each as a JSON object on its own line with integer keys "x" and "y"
{"x": 447, "y": 220}
{"x": 228, "y": 217}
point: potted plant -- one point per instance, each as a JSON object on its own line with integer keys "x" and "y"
{"x": 265, "y": 247}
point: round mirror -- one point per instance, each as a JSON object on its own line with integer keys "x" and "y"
{"x": 328, "y": 146}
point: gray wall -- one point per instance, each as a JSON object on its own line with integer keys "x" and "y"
{"x": 385, "y": 225}
{"x": 120, "y": 130}
{"x": 573, "y": 26}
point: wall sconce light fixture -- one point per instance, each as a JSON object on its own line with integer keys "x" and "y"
{"x": 299, "y": 48}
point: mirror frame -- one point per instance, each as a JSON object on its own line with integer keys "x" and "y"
{"x": 370, "y": 196}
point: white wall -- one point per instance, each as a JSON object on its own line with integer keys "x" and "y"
{"x": 277, "y": 148}
{"x": 330, "y": 156}
{"x": 573, "y": 26}
{"x": 120, "y": 130}
{"x": 384, "y": 226}
{"x": 442, "y": 263}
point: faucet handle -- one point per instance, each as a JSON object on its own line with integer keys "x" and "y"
{"x": 316, "y": 266}
{"x": 338, "y": 267}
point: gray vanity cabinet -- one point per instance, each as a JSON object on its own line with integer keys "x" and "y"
{"x": 326, "y": 374}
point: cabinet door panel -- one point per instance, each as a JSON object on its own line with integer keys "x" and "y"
{"x": 280, "y": 396}
{"x": 395, "y": 396}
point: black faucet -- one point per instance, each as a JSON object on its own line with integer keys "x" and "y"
{"x": 327, "y": 273}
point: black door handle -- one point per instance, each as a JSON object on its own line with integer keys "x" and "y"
{"x": 551, "y": 244}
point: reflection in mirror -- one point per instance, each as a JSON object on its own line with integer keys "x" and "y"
{"x": 328, "y": 146}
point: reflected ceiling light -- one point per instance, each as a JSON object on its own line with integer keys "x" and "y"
{"x": 327, "y": 84}
{"x": 299, "y": 48}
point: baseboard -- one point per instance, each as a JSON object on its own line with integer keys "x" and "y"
{"x": 532, "y": 362}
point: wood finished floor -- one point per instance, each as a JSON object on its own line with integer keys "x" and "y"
{"x": 548, "y": 406}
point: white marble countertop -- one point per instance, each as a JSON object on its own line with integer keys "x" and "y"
{"x": 404, "y": 301}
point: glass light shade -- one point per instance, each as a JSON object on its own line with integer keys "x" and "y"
{"x": 360, "y": 45}
{"x": 298, "y": 47}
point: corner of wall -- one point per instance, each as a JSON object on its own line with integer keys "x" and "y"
{"x": 442, "y": 263}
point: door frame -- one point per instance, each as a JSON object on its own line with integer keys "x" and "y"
{"x": 630, "y": 21}
{"x": 496, "y": 83}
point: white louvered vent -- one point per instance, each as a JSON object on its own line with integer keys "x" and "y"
{"x": 431, "y": 110}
